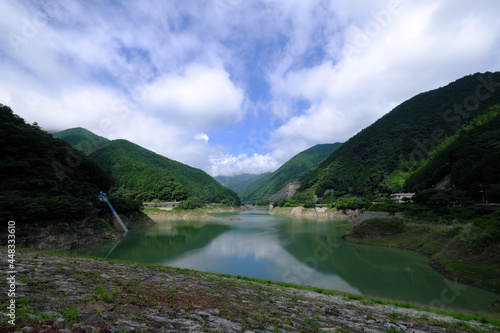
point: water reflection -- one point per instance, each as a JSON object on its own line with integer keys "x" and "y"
{"x": 293, "y": 250}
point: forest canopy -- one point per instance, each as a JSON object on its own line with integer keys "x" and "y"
{"x": 42, "y": 177}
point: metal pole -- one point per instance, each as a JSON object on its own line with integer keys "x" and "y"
{"x": 103, "y": 197}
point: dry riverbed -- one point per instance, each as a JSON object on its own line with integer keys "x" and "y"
{"x": 58, "y": 293}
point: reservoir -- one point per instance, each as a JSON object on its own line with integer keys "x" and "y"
{"x": 300, "y": 251}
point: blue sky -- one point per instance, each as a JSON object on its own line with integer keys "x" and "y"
{"x": 233, "y": 86}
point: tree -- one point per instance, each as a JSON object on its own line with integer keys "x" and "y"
{"x": 191, "y": 203}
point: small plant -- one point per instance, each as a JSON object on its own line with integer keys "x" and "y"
{"x": 354, "y": 297}
{"x": 69, "y": 314}
{"x": 394, "y": 315}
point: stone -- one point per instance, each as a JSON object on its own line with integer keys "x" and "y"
{"x": 130, "y": 324}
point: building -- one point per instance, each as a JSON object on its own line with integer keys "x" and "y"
{"x": 398, "y": 197}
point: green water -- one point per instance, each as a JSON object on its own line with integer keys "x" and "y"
{"x": 301, "y": 251}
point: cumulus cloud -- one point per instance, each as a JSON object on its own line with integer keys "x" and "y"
{"x": 202, "y": 137}
{"x": 229, "y": 165}
{"x": 176, "y": 77}
{"x": 202, "y": 97}
{"x": 391, "y": 54}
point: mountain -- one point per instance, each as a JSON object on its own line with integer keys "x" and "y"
{"x": 382, "y": 156}
{"x": 43, "y": 178}
{"x": 294, "y": 170}
{"x": 468, "y": 160}
{"x": 142, "y": 174}
{"x": 240, "y": 182}
{"x": 82, "y": 139}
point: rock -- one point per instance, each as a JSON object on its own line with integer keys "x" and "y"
{"x": 83, "y": 328}
{"x": 53, "y": 314}
{"x": 156, "y": 318}
{"x": 220, "y": 321}
{"x": 130, "y": 325}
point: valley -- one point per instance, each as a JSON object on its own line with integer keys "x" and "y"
{"x": 437, "y": 148}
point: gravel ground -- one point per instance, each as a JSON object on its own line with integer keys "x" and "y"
{"x": 57, "y": 293}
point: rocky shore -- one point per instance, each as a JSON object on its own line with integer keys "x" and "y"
{"x": 315, "y": 213}
{"x": 66, "y": 235}
{"x": 158, "y": 215}
{"x": 59, "y": 293}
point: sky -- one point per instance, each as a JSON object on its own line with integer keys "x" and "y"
{"x": 234, "y": 86}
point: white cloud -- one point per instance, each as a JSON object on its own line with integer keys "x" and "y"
{"x": 201, "y": 96}
{"x": 415, "y": 50}
{"x": 202, "y": 137}
{"x": 228, "y": 165}
{"x": 166, "y": 75}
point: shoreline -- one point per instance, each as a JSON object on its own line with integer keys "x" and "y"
{"x": 157, "y": 214}
{"x": 434, "y": 248}
{"x": 322, "y": 213}
{"x": 64, "y": 235}
{"x": 66, "y": 292}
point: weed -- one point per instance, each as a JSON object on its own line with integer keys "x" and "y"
{"x": 343, "y": 330}
{"x": 353, "y": 297}
{"x": 69, "y": 314}
{"x": 394, "y": 315}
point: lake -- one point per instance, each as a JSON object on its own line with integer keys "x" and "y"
{"x": 302, "y": 251}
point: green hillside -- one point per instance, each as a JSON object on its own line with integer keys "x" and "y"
{"x": 142, "y": 174}
{"x": 383, "y": 154}
{"x": 295, "y": 169}
{"x": 43, "y": 178}
{"x": 471, "y": 157}
{"x": 82, "y": 139}
{"x": 240, "y": 182}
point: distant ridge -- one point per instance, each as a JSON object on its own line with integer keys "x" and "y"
{"x": 142, "y": 174}
{"x": 240, "y": 182}
{"x": 293, "y": 170}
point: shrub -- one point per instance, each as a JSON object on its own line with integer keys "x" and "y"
{"x": 348, "y": 202}
{"x": 191, "y": 203}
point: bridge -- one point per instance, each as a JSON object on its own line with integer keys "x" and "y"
{"x": 489, "y": 206}
{"x": 162, "y": 205}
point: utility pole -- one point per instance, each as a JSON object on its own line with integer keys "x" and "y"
{"x": 481, "y": 190}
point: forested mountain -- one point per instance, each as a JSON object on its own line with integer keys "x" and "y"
{"x": 82, "y": 139}
{"x": 470, "y": 157}
{"x": 383, "y": 155}
{"x": 142, "y": 174}
{"x": 240, "y": 182}
{"x": 44, "y": 178}
{"x": 294, "y": 170}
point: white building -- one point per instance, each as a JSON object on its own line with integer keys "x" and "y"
{"x": 398, "y": 197}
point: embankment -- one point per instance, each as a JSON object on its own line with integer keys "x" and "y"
{"x": 64, "y": 235}
{"x": 315, "y": 213}
{"x": 59, "y": 293}
{"x": 158, "y": 215}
